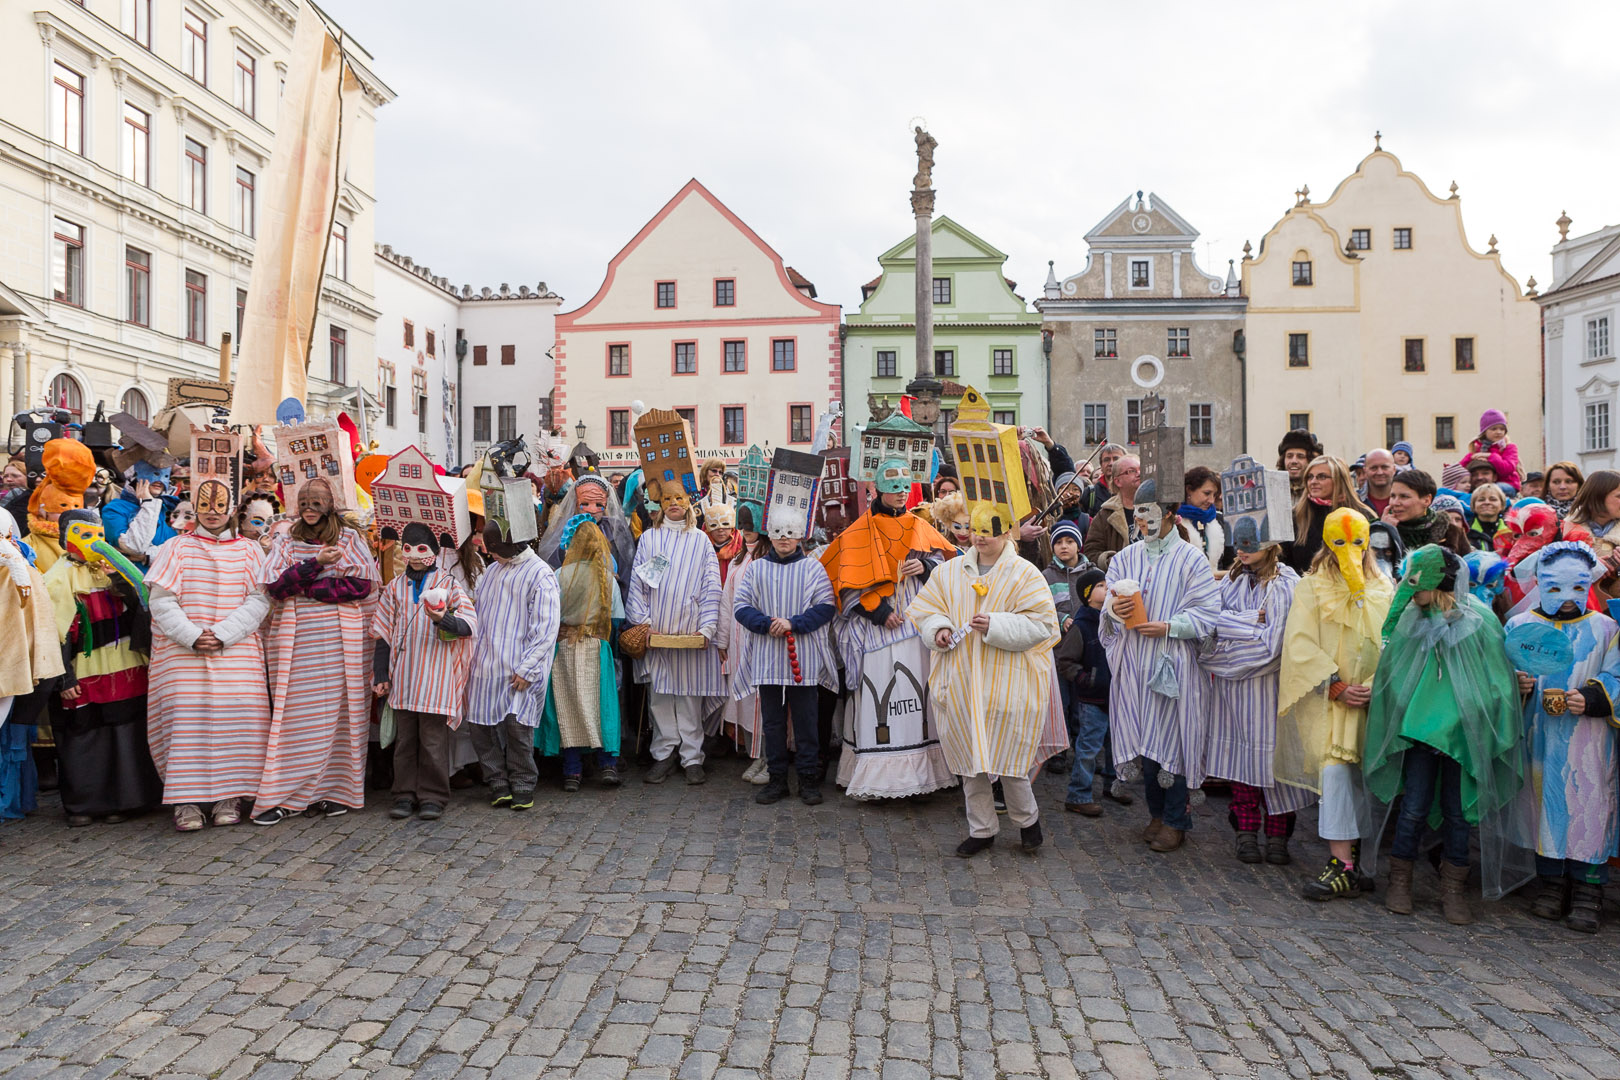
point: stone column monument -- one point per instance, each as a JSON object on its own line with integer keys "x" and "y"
{"x": 924, "y": 388}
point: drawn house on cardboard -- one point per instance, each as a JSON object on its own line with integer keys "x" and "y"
{"x": 897, "y": 436}
{"x": 840, "y": 496}
{"x": 790, "y": 506}
{"x": 664, "y": 441}
{"x": 1255, "y": 503}
{"x": 409, "y": 491}
{"x": 217, "y": 455}
{"x": 753, "y": 476}
{"x": 317, "y": 449}
{"x": 987, "y": 460}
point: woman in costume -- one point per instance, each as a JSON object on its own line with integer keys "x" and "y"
{"x": 582, "y": 698}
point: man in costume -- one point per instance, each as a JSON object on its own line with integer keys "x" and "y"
{"x": 582, "y": 698}
{"x": 208, "y": 706}
{"x": 990, "y": 623}
{"x": 877, "y": 566}
{"x": 591, "y": 494}
{"x": 1162, "y": 597}
{"x": 675, "y": 591}
{"x": 1568, "y": 807}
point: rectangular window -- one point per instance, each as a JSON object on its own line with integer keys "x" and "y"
{"x": 1360, "y": 239}
{"x": 67, "y": 108}
{"x": 1597, "y": 337}
{"x": 1201, "y": 425}
{"x": 1133, "y": 420}
{"x": 1001, "y": 361}
{"x": 1104, "y": 343}
{"x": 481, "y": 423}
{"x": 196, "y": 307}
{"x": 1414, "y": 354}
{"x": 339, "y": 372}
{"x": 1394, "y": 430}
{"x": 1299, "y": 421}
{"x": 736, "y": 356}
{"x": 241, "y": 313}
{"x": 480, "y": 355}
{"x": 945, "y": 362}
{"x": 725, "y": 293}
{"x": 508, "y": 355}
{"x": 690, "y": 416}
{"x": 1403, "y": 239}
{"x": 138, "y": 286}
{"x": 137, "y": 21}
{"x": 782, "y": 358}
{"x": 1463, "y": 350}
{"x": 421, "y": 413}
{"x": 136, "y": 156}
{"x": 686, "y": 358}
{"x": 507, "y": 419}
{"x": 618, "y": 360}
{"x": 196, "y": 179}
{"x": 1302, "y": 272}
{"x": 390, "y": 406}
{"x": 67, "y": 263}
{"x": 887, "y": 364}
{"x": 194, "y": 47}
{"x": 432, "y": 343}
{"x": 1299, "y": 350}
{"x": 1004, "y": 416}
{"x": 1095, "y": 418}
{"x": 1445, "y": 433}
{"x": 1141, "y": 273}
{"x": 1179, "y": 341}
{"x": 618, "y": 427}
{"x": 244, "y": 201}
{"x": 735, "y": 425}
{"x": 1597, "y": 425}
{"x": 666, "y": 294}
{"x": 410, "y": 334}
{"x": 337, "y": 252}
{"x": 246, "y": 81}
{"x": 942, "y": 290}
{"x": 801, "y": 425}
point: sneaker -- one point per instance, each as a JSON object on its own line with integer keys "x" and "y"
{"x": 271, "y": 816}
{"x": 431, "y": 811}
{"x": 570, "y": 783}
{"x": 500, "y": 797}
{"x": 404, "y": 807}
{"x": 1277, "y": 851}
{"x": 757, "y": 773}
{"x": 660, "y": 770}
{"x": 695, "y": 774}
{"x": 1248, "y": 848}
{"x": 228, "y": 812}
{"x": 610, "y": 776}
{"x": 188, "y": 818}
{"x": 1030, "y": 837}
{"x": 1335, "y": 882}
{"x": 775, "y": 790}
{"x": 522, "y": 800}
{"x": 325, "y": 808}
{"x": 973, "y": 845}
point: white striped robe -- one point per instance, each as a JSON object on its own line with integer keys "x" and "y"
{"x": 783, "y": 591}
{"x": 426, "y": 674}
{"x": 739, "y": 715}
{"x": 519, "y": 609}
{"x": 686, "y": 601}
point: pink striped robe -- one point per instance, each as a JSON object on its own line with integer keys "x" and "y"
{"x": 425, "y": 673}
{"x": 320, "y": 677}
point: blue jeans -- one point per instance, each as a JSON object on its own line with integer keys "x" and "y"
{"x": 1591, "y": 873}
{"x": 1091, "y": 725}
{"x": 1424, "y": 769}
{"x": 574, "y": 763}
{"x": 1168, "y": 805}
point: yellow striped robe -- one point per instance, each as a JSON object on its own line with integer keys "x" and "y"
{"x": 991, "y": 694}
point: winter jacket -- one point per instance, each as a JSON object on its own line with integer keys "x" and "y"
{"x": 1504, "y": 459}
{"x": 1110, "y": 531}
{"x": 1062, "y": 581}
{"x": 1081, "y": 660}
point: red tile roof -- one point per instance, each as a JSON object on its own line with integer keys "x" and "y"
{"x": 801, "y": 282}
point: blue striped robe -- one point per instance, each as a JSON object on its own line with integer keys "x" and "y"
{"x": 858, "y": 635}
{"x": 783, "y": 591}
{"x": 687, "y": 601}
{"x": 519, "y": 609}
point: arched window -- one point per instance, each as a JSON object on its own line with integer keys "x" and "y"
{"x": 134, "y": 402}
{"x": 65, "y": 394}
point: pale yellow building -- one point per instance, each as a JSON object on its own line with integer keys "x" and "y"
{"x": 1372, "y": 319}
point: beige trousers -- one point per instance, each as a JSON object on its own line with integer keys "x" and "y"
{"x": 981, "y": 804}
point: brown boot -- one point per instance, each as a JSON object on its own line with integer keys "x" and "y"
{"x": 1152, "y": 830}
{"x": 1398, "y": 894}
{"x": 1453, "y": 900}
{"x": 1167, "y": 839}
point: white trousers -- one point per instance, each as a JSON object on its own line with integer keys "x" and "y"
{"x": 981, "y": 803}
{"x": 1339, "y": 817}
{"x": 677, "y": 725}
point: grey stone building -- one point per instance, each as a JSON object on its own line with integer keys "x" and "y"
{"x": 1142, "y": 314}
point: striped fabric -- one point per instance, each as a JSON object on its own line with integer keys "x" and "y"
{"x": 319, "y": 658}
{"x": 208, "y": 717}
{"x": 782, "y": 591}
{"x": 740, "y": 716}
{"x": 1242, "y": 656}
{"x": 426, "y": 674}
{"x": 686, "y": 601}
{"x": 1144, "y": 722}
{"x": 98, "y": 625}
{"x": 992, "y": 693}
{"x": 519, "y": 609}
{"x": 858, "y": 636}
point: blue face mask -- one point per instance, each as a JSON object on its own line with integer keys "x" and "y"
{"x": 144, "y": 470}
{"x": 1564, "y": 579}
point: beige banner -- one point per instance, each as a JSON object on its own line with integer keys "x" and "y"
{"x": 299, "y": 196}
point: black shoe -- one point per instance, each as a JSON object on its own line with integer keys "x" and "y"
{"x": 999, "y": 799}
{"x": 431, "y": 811}
{"x": 1277, "y": 851}
{"x": 403, "y": 807}
{"x": 810, "y": 789}
{"x": 571, "y": 783}
{"x": 610, "y": 777}
{"x": 325, "y": 808}
{"x": 522, "y": 800}
{"x": 661, "y": 769}
{"x": 79, "y": 821}
{"x": 272, "y": 815}
{"x": 1030, "y": 836}
{"x": 500, "y": 797}
{"x": 1552, "y": 898}
{"x": 973, "y": 845}
{"x": 1248, "y": 848}
{"x": 1335, "y": 882}
{"x": 1585, "y": 907}
{"x": 775, "y": 790}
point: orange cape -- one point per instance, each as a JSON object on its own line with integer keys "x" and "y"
{"x": 866, "y": 557}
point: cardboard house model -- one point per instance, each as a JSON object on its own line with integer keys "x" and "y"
{"x": 753, "y": 476}
{"x": 840, "y": 496}
{"x": 664, "y": 441}
{"x": 790, "y": 505}
{"x": 987, "y": 460}
{"x": 1256, "y": 504}
{"x": 217, "y": 455}
{"x": 408, "y": 490}
{"x": 316, "y": 449}
{"x": 897, "y": 436}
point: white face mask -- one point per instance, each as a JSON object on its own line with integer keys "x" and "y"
{"x": 1149, "y": 520}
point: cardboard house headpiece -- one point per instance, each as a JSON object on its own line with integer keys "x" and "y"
{"x": 408, "y": 491}
{"x": 753, "y": 476}
{"x": 790, "y": 505}
{"x": 1255, "y": 501}
{"x": 217, "y": 455}
{"x": 1163, "y": 450}
{"x": 987, "y": 460}
{"x": 508, "y": 503}
{"x": 896, "y": 436}
{"x": 315, "y": 449}
{"x": 840, "y": 496}
{"x": 664, "y": 441}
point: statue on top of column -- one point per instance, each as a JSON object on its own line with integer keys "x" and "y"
{"x": 924, "y": 180}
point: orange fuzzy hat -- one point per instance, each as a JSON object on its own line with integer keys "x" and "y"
{"x": 69, "y": 468}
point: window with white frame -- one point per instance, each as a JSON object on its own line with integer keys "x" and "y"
{"x": 1094, "y": 417}
{"x": 67, "y": 108}
{"x": 1179, "y": 341}
{"x": 246, "y": 82}
{"x": 134, "y": 402}
{"x": 135, "y": 157}
{"x": 1201, "y": 424}
{"x": 196, "y": 307}
{"x": 1105, "y": 342}
{"x": 136, "y": 21}
{"x": 337, "y": 256}
{"x": 1141, "y": 273}
{"x": 244, "y": 201}
{"x": 1597, "y": 426}
{"x": 194, "y": 46}
{"x": 195, "y": 187}
{"x": 137, "y": 286}
{"x": 67, "y": 262}
{"x": 1597, "y": 338}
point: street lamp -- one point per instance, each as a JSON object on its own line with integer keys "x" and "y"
{"x": 579, "y": 430}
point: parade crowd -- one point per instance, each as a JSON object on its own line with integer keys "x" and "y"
{"x": 1423, "y": 651}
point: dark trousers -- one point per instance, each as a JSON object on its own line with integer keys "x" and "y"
{"x": 1167, "y": 804}
{"x": 776, "y": 705}
{"x": 422, "y": 756}
{"x": 573, "y": 759}
{"x": 1424, "y": 769}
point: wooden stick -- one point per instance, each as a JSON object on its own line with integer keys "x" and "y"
{"x": 225, "y": 357}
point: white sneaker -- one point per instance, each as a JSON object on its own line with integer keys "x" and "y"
{"x": 757, "y": 773}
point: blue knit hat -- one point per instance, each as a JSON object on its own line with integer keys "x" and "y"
{"x": 1411, "y": 455}
{"x": 1069, "y": 529}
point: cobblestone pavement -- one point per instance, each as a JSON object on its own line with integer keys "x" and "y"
{"x": 680, "y": 932}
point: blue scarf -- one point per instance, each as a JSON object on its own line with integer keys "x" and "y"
{"x": 1192, "y": 513}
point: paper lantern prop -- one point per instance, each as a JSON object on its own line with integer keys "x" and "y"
{"x": 897, "y": 436}
{"x": 315, "y": 449}
{"x": 217, "y": 455}
{"x": 1256, "y": 503}
{"x": 753, "y": 476}
{"x": 987, "y": 460}
{"x": 409, "y": 492}
{"x": 790, "y": 505}
{"x": 664, "y": 442}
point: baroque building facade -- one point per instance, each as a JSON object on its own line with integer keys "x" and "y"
{"x": 1578, "y": 317}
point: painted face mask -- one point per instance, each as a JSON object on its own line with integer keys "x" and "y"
{"x": 316, "y": 496}
{"x": 1563, "y": 576}
{"x": 184, "y": 517}
{"x": 257, "y": 517}
{"x": 1487, "y": 576}
{"x": 1530, "y": 527}
{"x": 1346, "y": 535}
{"x": 590, "y": 497}
{"x": 1386, "y": 548}
{"x": 213, "y": 505}
{"x": 989, "y": 521}
{"x": 1149, "y": 520}
{"x": 675, "y": 503}
{"x": 419, "y": 546}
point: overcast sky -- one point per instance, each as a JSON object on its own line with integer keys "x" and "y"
{"x": 531, "y": 140}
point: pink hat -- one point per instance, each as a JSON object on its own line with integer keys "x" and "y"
{"x": 1490, "y": 418}
{"x": 1453, "y": 476}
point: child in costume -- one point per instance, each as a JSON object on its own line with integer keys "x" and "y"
{"x": 1444, "y": 731}
{"x": 740, "y": 718}
{"x": 582, "y": 698}
{"x": 1569, "y": 806}
{"x": 1330, "y": 650}
{"x": 424, "y": 626}
{"x": 1082, "y": 665}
